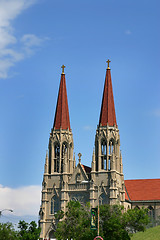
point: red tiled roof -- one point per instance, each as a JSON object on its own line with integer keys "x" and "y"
{"x": 143, "y": 189}
{"x": 86, "y": 168}
{"x": 107, "y": 115}
{"x": 126, "y": 196}
{"x": 61, "y": 119}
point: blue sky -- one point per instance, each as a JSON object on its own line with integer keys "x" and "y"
{"x": 36, "y": 38}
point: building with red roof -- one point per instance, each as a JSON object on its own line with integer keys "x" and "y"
{"x": 143, "y": 193}
{"x": 63, "y": 180}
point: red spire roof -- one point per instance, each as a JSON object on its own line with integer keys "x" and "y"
{"x": 108, "y": 115}
{"x": 61, "y": 119}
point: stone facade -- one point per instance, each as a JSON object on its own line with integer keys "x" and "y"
{"x": 64, "y": 181}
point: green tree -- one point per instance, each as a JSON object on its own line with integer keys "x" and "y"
{"x": 136, "y": 219}
{"x": 112, "y": 224}
{"x": 28, "y": 231}
{"x": 7, "y": 232}
{"x": 76, "y": 224}
{"x": 115, "y": 224}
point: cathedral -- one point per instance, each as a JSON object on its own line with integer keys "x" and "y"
{"x": 63, "y": 180}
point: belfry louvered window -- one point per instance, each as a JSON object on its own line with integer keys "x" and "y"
{"x": 56, "y": 157}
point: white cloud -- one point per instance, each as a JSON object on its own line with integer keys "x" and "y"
{"x": 23, "y": 200}
{"x": 13, "y": 49}
{"x": 30, "y": 42}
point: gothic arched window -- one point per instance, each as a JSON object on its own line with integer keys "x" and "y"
{"x": 70, "y": 150}
{"x": 51, "y": 234}
{"x": 54, "y": 204}
{"x": 111, "y": 146}
{"x": 78, "y": 178}
{"x": 151, "y": 212}
{"x": 56, "y": 157}
{"x": 64, "y": 153}
{"x": 110, "y": 149}
{"x": 103, "y": 154}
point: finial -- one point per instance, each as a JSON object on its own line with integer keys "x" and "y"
{"x": 63, "y": 67}
{"x": 79, "y": 155}
{"x": 108, "y": 63}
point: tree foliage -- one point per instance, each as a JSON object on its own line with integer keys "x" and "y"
{"x": 76, "y": 224}
{"x": 115, "y": 224}
{"x": 136, "y": 219}
{"x": 7, "y": 232}
{"x": 26, "y": 231}
{"x": 112, "y": 223}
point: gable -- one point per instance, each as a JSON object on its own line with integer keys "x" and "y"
{"x": 78, "y": 175}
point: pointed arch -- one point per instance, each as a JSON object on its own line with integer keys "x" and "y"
{"x": 70, "y": 150}
{"x": 56, "y": 156}
{"x": 151, "y": 211}
{"x": 103, "y": 154}
{"x": 64, "y": 154}
{"x": 111, "y": 146}
{"x": 54, "y": 204}
{"x": 51, "y": 234}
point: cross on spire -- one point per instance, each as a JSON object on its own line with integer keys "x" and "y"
{"x": 63, "y": 67}
{"x": 108, "y": 63}
{"x": 61, "y": 119}
{"x": 108, "y": 115}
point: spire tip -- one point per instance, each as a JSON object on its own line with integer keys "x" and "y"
{"x": 108, "y": 63}
{"x": 63, "y": 67}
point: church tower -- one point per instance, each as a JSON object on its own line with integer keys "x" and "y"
{"x": 107, "y": 168}
{"x": 59, "y": 164}
{"x": 63, "y": 180}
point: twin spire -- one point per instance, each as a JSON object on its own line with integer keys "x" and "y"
{"x": 61, "y": 120}
{"x": 107, "y": 115}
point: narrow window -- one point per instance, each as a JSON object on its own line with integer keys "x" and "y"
{"x": 56, "y": 157}
{"x": 103, "y": 154}
{"x": 64, "y": 152}
{"x": 54, "y": 204}
{"x": 151, "y": 212}
{"x": 109, "y": 164}
{"x": 111, "y": 146}
{"x": 70, "y": 151}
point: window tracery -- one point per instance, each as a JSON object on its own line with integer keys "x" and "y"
{"x": 56, "y": 157}
{"x": 54, "y": 204}
{"x": 103, "y": 154}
